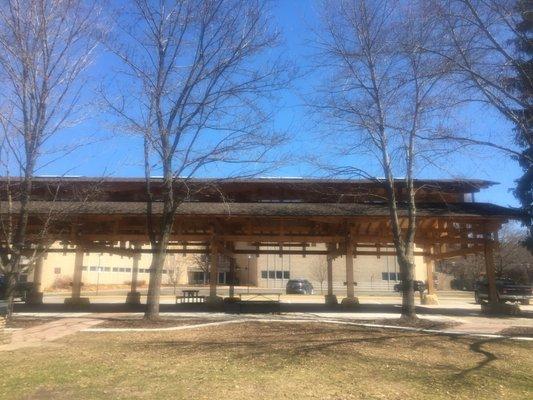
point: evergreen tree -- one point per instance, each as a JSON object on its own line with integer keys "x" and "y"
{"x": 522, "y": 83}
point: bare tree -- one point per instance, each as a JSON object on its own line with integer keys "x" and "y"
{"x": 319, "y": 272}
{"x": 203, "y": 262}
{"x": 45, "y": 46}
{"x": 197, "y": 76}
{"x": 175, "y": 269}
{"x": 512, "y": 260}
{"x": 488, "y": 43}
{"x": 381, "y": 95}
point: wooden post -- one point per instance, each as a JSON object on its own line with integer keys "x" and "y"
{"x": 331, "y": 299}
{"x": 350, "y": 298}
{"x": 213, "y": 271}
{"x": 489, "y": 268}
{"x": 350, "y": 289}
{"x": 330, "y": 275}
{"x": 78, "y": 273}
{"x": 76, "y": 299}
{"x": 134, "y": 272}
{"x": 232, "y": 277}
{"x": 213, "y": 300}
{"x": 431, "y": 296}
{"x": 134, "y": 297}
{"x": 430, "y": 267}
{"x": 36, "y": 295}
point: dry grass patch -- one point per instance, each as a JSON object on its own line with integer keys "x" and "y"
{"x": 21, "y": 322}
{"x": 139, "y": 322}
{"x": 259, "y": 360}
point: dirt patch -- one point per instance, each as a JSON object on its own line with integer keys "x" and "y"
{"x": 523, "y": 331}
{"x": 160, "y": 323}
{"x": 27, "y": 322}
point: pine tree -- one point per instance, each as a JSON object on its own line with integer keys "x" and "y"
{"x": 522, "y": 83}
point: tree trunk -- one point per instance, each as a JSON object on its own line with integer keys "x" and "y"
{"x": 156, "y": 275}
{"x": 407, "y": 267}
{"x": 10, "y": 284}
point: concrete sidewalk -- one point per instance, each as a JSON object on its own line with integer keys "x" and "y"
{"x": 48, "y": 332}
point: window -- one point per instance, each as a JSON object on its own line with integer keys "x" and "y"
{"x": 84, "y": 268}
{"x": 57, "y": 271}
{"x": 121, "y": 269}
{"x": 128, "y": 269}
{"x": 275, "y": 274}
{"x": 107, "y": 269}
{"x": 165, "y": 271}
{"x": 115, "y": 269}
{"x": 390, "y": 276}
{"x": 92, "y": 268}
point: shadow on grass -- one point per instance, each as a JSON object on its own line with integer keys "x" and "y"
{"x": 476, "y": 347}
{"x": 282, "y": 341}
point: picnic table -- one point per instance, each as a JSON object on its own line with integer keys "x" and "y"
{"x": 190, "y": 296}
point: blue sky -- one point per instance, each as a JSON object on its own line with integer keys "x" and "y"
{"x": 115, "y": 153}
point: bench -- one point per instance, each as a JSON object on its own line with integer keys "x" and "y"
{"x": 263, "y": 297}
{"x": 256, "y": 303}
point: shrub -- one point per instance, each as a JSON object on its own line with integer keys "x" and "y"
{"x": 139, "y": 283}
{"x": 62, "y": 282}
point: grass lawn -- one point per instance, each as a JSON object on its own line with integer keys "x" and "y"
{"x": 270, "y": 361}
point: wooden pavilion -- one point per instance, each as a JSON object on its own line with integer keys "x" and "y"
{"x": 274, "y": 216}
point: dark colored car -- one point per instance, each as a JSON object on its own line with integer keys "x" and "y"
{"x": 299, "y": 286}
{"x": 22, "y": 289}
{"x": 508, "y": 290}
{"x": 419, "y": 286}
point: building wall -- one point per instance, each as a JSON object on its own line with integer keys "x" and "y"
{"x": 109, "y": 269}
{"x": 370, "y": 272}
{"x": 268, "y": 271}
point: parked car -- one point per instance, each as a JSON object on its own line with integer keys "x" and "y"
{"x": 419, "y": 286}
{"x": 22, "y": 289}
{"x": 507, "y": 289}
{"x": 299, "y": 286}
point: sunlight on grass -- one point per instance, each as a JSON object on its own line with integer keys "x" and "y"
{"x": 270, "y": 361}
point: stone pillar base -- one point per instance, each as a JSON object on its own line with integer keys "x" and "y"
{"x": 35, "y": 298}
{"x": 331, "y": 300}
{"x": 133, "y": 298}
{"x": 350, "y": 302}
{"x": 214, "y": 301}
{"x": 500, "y": 309}
{"x": 231, "y": 299}
{"x": 430, "y": 299}
{"x": 77, "y": 301}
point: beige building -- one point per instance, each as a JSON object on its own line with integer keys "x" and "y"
{"x": 265, "y": 271}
